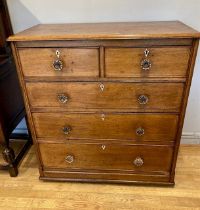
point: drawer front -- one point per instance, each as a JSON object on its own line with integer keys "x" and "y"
{"x": 139, "y": 127}
{"x": 83, "y": 95}
{"x": 76, "y": 62}
{"x": 157, "y": 62}
{"x": 106, "y": 157}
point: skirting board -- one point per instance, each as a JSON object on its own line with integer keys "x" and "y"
{"x": 190, "y": 138}
{"x": 187, "y": 137}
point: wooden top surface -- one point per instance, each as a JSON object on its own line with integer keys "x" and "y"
{"x": 126, "y": 30}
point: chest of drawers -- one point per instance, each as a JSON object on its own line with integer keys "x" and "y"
{"x": 106, "y": 102}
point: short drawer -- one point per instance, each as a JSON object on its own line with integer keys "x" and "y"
{"x": 151, "y": 62}
{"x": 93, "y": 95}
{"x": 138, "y": 127}
{"x": 107, "y": 157}
{"x": 53, "y": 62}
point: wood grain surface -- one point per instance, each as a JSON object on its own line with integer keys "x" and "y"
{"x": 106, "y": 126}
{"x": 84, "y": 95}
{"x": 107, "y": 43}
{"x": 111, "y": 54}
{"x": 165, "y": 62}
{"x": 26, "y": 192}
{"x": 107, "y": 157}
{"x": 126, "y": 30}
{"x": 76, "y": 62}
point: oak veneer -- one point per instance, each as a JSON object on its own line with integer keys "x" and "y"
{"x": 85, "y": 119}
{"x": 128, "y": 30}
{"x": 162, "y": 97}
{"x": 76, "y": 62}
{"x": 166, "y": 62}
{"x": 113, "y": 157}
{"x": 106, "y": 126}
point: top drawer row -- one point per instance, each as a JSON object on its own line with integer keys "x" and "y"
{"x": 113, "y": 62}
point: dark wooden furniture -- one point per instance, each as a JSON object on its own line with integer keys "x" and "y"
{"x": 106, "y": 102}
{"x": 12, "y": 109}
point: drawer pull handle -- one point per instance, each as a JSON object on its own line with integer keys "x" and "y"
{"x": 140, "y": 131}
{"x": 58, "y": 64}
{"x": 138, "y": 161}
{"x": 69, "y": 158}
{"x": 63, "y": 98}
{"x": 143, "y": 99}
{"x": 67, "y": 129}
{"x": 146, "y": 63}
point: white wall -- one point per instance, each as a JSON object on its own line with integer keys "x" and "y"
{"x": 25, "y": 13}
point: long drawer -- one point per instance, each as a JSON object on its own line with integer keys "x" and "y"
{"x": 107, "y": 157}
{"x": 151, "y": 62}
{"x": 61, "y": 62}
{"x": 161, "y": 97}
{"x": 138, "y": 127}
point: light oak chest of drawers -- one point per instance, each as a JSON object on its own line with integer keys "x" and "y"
{"x": 106, "y": 102}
